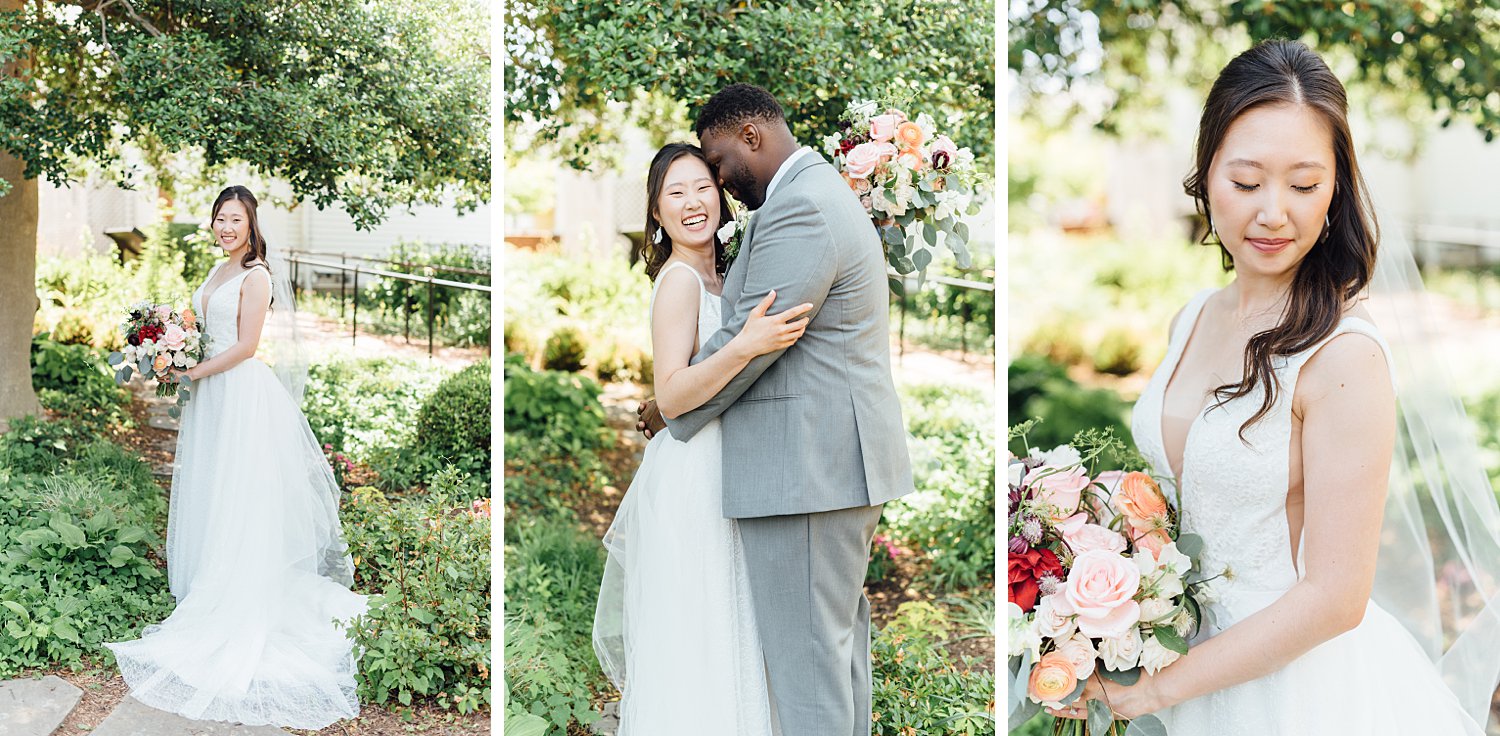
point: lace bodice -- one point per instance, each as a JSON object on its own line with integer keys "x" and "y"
{"x": 1234, "y": 493}
{"x": 220, "y": 321}
{"x": 710, "y": 308}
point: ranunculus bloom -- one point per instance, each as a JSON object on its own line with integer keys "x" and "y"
{"x": 1052, "y": 679}
{"x": 911, "y": 159}
{"x": 863, "y": 159}
{"x": 1080, "y": 651}
{"x": 161, "y": 363}
{"x": 1023, "y": 572}
{"x": 1060, "y": 488}
{"x": 188, "y": 318}
{"x": 1141, "y": 501}
{"x": 1153, "y": 541}
{"x": 1100, "y": 587}
{"x": 883, "y": 127}
{"x": 910, "y": 136}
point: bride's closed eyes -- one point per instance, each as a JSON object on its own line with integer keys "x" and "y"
{"x": 1243, "y": 187}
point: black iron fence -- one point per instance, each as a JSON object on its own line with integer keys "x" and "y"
{"x": 349, "y": 293}
{"x": 965, "y": 312}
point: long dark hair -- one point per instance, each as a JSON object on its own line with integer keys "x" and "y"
{"x": 1339, "y": 266}
{"x": 257, "y": 251}
{"x": 656, "y": 254}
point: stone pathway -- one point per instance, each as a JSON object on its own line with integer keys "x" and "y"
{"x": 38, "y": 707}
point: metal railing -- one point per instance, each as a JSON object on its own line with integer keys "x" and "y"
{"x": 964, "y": 312}
{"x": 299, "y": 259}
{"x": 1433, "y": 239}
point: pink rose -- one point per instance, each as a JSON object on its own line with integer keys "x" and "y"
{"x": 1101, "y": 587}
{"x": 1093, "y": 537}
{"x": 942, "y": 145}
{"x": 1060, "y": 488}
{"x": 174, "y": 338}
{"x": 863, "y": 159}
{"x": 883, "y": 127}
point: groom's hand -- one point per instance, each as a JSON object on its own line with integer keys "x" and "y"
{"x": 649, "y": 420}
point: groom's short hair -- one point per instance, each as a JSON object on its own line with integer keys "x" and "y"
{"x": 732, "y": 106}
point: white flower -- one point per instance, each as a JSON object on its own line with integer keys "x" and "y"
{"x": 1154, "y": 609}
{"x": 1054, "y": 617}
{"x": 927, "y": 124}
{"x": 1121, "y": 652}
{"x": 1167, "y": 585}
{"x": 1015, "y": 470}
{"x": 1154, "y": 656}
{"x": 1062, "y": 456}
{"x": 831, "y": 144}
{"x": 1207, "y": 592}
{"x": 862, "y": 110}
{"x": 947, "y": 205}
{"x": 1183, "y": 623}
{"x": 884, "y": 203}
{"x": 179, "y": 360}
{"x": 191, "y": 362}
{"x": 1023, "y": 635}
{"x": 727, "y": 231}
{"x": 1173, "y": 560}
{"x": 1080, "y": 651}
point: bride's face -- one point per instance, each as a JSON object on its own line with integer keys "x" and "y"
{"x": 1270, "y": 186}
{"x": 688, "y": 207}
{"x": 232, "y": 226}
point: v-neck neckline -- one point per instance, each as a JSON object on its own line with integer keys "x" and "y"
{"x": 1161, "y": 412}
{"x": 208, "y": 294}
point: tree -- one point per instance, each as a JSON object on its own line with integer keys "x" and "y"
{"x": 367, "y": 105}
{"x": 1440, "y": 55}
{"x": 571, "y": 66}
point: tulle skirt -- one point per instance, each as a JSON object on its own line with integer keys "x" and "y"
{"x": 1373, "y": 680}
{"x": 674, "y": 627}
{"x": 256, "y": 561}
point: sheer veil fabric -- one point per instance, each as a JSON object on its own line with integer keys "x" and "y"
{"x": 1437, "y": 476}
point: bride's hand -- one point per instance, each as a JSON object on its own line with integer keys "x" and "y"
{"x": 764, "y": 333}
{"x": 1127, "y": 701}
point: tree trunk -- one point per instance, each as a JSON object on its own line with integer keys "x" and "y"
{"x": 19, "y": 212}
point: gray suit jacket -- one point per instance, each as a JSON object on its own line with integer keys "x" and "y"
{"x": 816, "y": 427}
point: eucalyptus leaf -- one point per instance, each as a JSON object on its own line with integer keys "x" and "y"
{"x": 1147, "y": 725}
{"x": 1022, "y": 713}
{"x": 962, "y": 231}
{"x": 1127, "y": 677}
{"x": 1190, "y": 545}
{"x": 1100, "y": 717}
{"x": 922, "y": 258}
{"x": 929, "y": 233}
{"x": 115, "y": 358}
{"x": 898, "y": 287}
{"x": 173, "y": 412}
{"x": 892, "y": 235}
{"x": 1020, "y": 676}
{"x": 1076, "y": 694}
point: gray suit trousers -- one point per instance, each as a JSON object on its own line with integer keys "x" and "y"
{"x": 807, "y": 575}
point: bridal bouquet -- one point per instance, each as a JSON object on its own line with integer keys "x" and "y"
{"x": 1100, "y": 581}
{"x": 157, "y": 340}
{"x": 916, "y": 183}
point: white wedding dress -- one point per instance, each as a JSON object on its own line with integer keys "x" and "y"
{"x": 1373, "y": 680}
{"x": 674, "y": 627}
{"x": 255, "y": 557}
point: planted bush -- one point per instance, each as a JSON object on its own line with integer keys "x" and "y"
{"x": 918, "y": 688}
{"x": 426, "y": 561}
{"x": 560, "y": 408}
{"x": 453, "y": 426}
{"x": 361, "y": 405}
{"x": 74, "y": 382}
{"x": 565, "y": 350}
{"x": 81, "y": 519}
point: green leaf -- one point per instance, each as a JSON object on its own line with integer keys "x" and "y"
{"x": 922, "y": 259}
{"x": 1190, "y": 545}
{"x": 115, "y": 358}
{"x": 37, "y": 537}
{"x": 1076, "y": 694}
{"x": 1169, "y": 639}
{"x": 173, "y": 412}
{"x": 120, "y": 555}
{"x": 65, "y": 631}
{"x": 898, "y": 287}
{"x": 17, "y": 609}
{"x": 71, "y": 535}
{"x": 1100, "y": 717}
{"x": 1147, "y": 725}
{"x": 929, "y": 233}
{"x": 1127, "y": 677}
{"x": 423, "y": 615}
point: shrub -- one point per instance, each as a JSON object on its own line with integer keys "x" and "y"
{"x": 540, "y": 479}
{"x": 463, "y": 315}
{"x": 552, "y": 575}
{"x": 427, "y": 631}
{"x": 1042, "y": 389}
{"x": 82, "y": 527}
{"x": 560, "y": 408}
{"x": 74, "y": 382}
{"x": 1118, "y": 352}
{"x": 453, "y": 425}
{"x": 1058, "y": 338}
{"x": 565, "y": 351}
{"x": 362, "y": 405}
{"x": 918, "y": 689}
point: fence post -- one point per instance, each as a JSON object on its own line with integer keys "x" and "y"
{"x": 429, "y": 311}
{"x": 343, "y": 278}
{"x": 963, "y": 325}
{"x": 354, "y": 336}
{"x": 406, "y": 295}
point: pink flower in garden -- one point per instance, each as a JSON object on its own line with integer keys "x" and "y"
{"x": 480, "y": 507}
{"x": 862, "y": 161}
{"x": 1101, "y": 587}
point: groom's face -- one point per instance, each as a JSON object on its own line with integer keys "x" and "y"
{"x": 731, "y": 153}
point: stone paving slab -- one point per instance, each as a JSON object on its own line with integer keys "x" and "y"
{"x": 134, "y": 718}
{"x": 35, "y": 707}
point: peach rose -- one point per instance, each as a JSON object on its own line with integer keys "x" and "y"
{"x": 1141, "y": 501}
{"x": 1060, "y": 488}
{"x": 863, "y": 158}
{"x": 1101, "y": 587}
{"x": 910, "y": 137}
{"x": 1052, "y": 679}
{"x": 161, "y": 363}
{"x": 883, "y": 127}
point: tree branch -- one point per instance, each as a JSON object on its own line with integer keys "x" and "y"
{"x": 99, "y": 6}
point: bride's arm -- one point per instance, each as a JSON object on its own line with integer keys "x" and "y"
{"x": 1348, "y": 433}
{"x": 681, "y": 387}
{"x": 255, "y": 299}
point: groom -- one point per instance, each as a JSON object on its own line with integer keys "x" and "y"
{"x": 813, "y": 440}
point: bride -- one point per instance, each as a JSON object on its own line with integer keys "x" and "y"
{"x": 1275, "y": 410}
{"x": 255, "y": 556}
{"x": 674, "y": 628}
